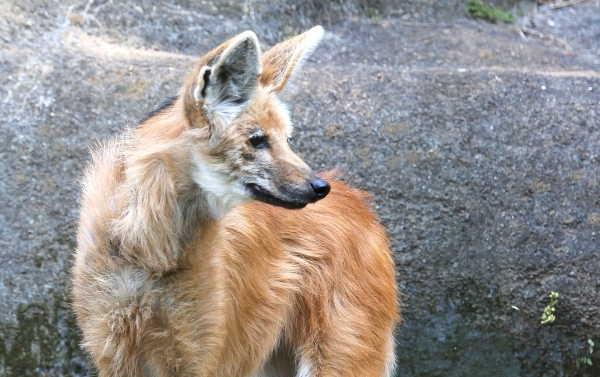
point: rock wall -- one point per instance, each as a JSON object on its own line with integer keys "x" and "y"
{"x": 480, "y": 146}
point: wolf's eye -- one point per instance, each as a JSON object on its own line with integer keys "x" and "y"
{"x": 258, "y": 139}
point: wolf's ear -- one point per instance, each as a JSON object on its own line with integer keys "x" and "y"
{"x": 230, "y": 78}
{"x": 285, "y": 58}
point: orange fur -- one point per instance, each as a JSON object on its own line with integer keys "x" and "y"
{"x": 165, "y": 287}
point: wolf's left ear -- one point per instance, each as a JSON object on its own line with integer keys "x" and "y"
{"x": 229, "y": 81}
{"x": 285, "y": 58}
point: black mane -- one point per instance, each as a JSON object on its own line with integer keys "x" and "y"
{"x": 166, "y": 104}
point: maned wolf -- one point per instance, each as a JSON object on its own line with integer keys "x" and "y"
{"x": 199, "y": 251}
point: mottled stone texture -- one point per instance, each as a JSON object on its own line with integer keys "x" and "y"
{"x": 481, "y": 148}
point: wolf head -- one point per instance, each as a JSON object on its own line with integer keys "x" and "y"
{"x": 242, "y": 129}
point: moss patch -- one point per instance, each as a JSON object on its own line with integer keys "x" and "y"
{"x": 33, "y": 343}
{"x": 476, "y": 9}
{"x": 45, "y": 336}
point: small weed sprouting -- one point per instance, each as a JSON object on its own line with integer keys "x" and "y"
{"x": 586, "y": 360}
{"x": 476, "y": 9}
{"x": 548, "y": 315}
{"x": 375, "y": 15}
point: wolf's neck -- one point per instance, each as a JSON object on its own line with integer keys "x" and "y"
{"x": 221, "y": 192}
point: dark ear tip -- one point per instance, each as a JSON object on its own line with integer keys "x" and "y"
{"x": 206, "y": 79}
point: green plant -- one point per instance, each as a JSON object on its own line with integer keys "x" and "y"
{"x": 548, "y": 315}
{"x": 476, "y": 9}
{"x": 586, "y": 359}
{"x": 375, "y": 15}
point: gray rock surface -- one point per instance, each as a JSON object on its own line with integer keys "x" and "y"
{"x": 481, "y": 148}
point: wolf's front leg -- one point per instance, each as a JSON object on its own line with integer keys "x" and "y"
{"x": 339, "y": 336}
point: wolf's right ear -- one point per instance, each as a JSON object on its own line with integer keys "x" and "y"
{"x": 229, "y": 79}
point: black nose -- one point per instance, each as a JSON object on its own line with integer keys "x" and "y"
{"x": 320, "y": 188}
